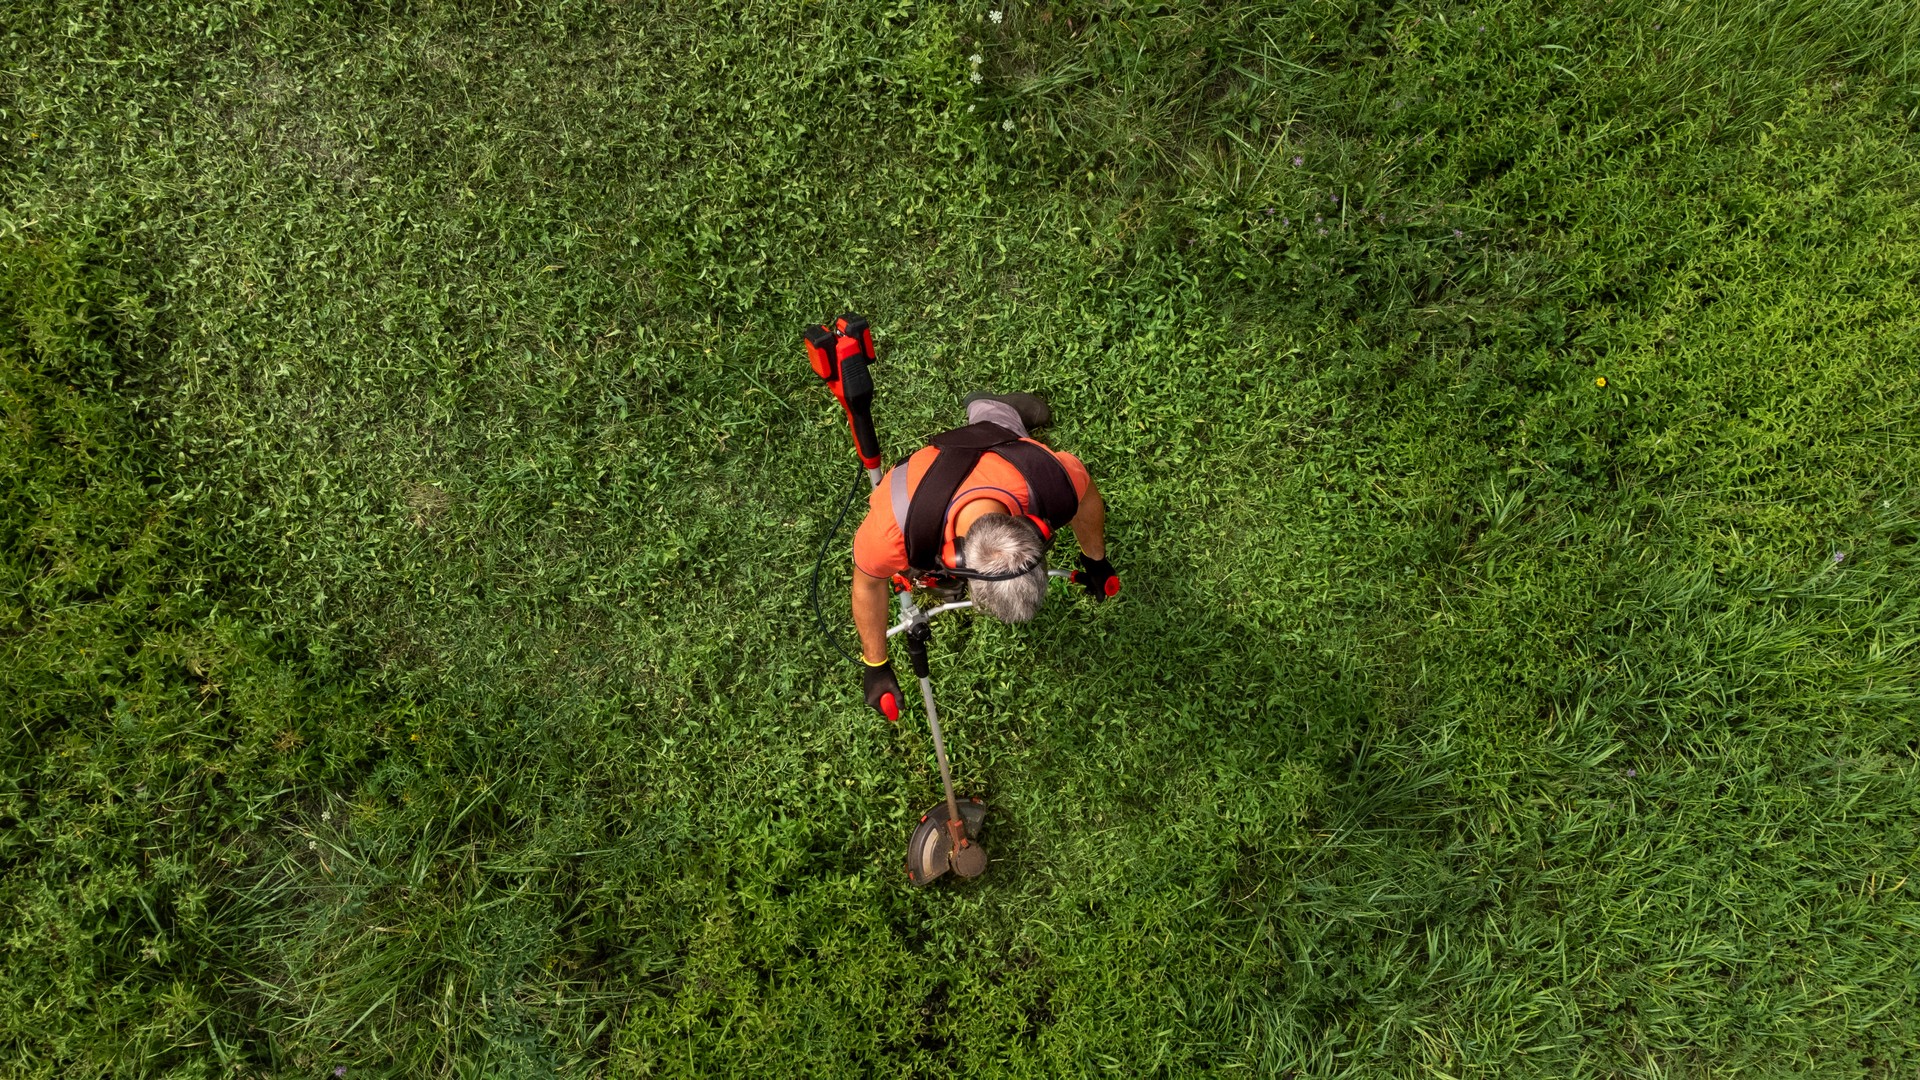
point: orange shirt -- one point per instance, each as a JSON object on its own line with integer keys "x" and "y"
{"x": 880, "y": 550}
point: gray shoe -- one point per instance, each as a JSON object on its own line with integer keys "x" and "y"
{"x": 1034, "y": 412}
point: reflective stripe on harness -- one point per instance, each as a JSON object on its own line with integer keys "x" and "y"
{"x": 897, "y": 493}
{"x": 1050, "y": 494}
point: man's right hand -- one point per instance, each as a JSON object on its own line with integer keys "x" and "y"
{"x": 883, "y": 690}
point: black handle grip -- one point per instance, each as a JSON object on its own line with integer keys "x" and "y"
{"x": 857, "y": 384}
{"x": 855, "y": 380}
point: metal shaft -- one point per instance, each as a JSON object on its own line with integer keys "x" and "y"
{"x": 911, "y": 616}
{"x": 939, "y": 749}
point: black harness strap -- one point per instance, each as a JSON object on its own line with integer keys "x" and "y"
{"x": 1050, "y": 489}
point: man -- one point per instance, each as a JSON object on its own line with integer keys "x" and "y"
{"x": 976, "y": 510}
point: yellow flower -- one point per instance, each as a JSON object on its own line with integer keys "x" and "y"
{"x": 1601, "y": 382}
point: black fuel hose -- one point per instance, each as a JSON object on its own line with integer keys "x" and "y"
{"x": 813, "y": 589}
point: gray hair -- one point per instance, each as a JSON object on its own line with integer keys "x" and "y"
{"x": 997, "y": 543}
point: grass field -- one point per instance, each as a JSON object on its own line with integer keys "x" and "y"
{"x": 412, "y": 471}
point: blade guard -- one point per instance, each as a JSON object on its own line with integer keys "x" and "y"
{"x": 930, "y": 850}
{"x": 841, "y": 353}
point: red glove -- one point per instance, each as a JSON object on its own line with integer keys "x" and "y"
{"x": 1097, "y": 577}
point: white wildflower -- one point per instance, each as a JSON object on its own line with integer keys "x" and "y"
{"x": 974, "y": 78}
{"x": 326, "y": 815}
{"x": 994, "y": 17}
{"x": 1006, "y": 125}
{"x": 976, "y": 59}
{"x": 969, "y": 108}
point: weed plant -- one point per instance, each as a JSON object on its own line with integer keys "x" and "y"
{"x": 411, "y": 472}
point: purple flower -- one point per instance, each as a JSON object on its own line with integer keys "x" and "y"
{"x": 1317, "y": 219}
{"x": 1269, "y": 211}
{"x": 1336, "y": 200}
{"x": 1839, "y": 556}
{"x": 1631, "y": 773}
{"x": 1457, "y": 234}
{"x": 339, "y": 1070}
{"x": 1286, "y": 221}
{"x": 1298, "y": 161}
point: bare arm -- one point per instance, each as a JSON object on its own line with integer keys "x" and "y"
{"x": 1089, "y": 523}
{"x": 870, "y": 615}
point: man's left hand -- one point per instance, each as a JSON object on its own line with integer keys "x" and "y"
{"x": 1097, "y": 577}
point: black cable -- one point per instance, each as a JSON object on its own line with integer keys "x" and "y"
{"x": 813, "y": 590}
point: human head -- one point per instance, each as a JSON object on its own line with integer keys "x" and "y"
{"x": 997, "y": 543}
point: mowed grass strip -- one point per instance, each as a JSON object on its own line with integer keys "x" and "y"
{"x": 412, "y": 474}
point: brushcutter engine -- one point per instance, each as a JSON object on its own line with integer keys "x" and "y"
{"x": 841, "y": 352}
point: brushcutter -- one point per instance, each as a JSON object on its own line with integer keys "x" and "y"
{"x": 947, "y": 835}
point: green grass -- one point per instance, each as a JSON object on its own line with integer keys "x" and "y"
{"x": 411, "y": 474}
